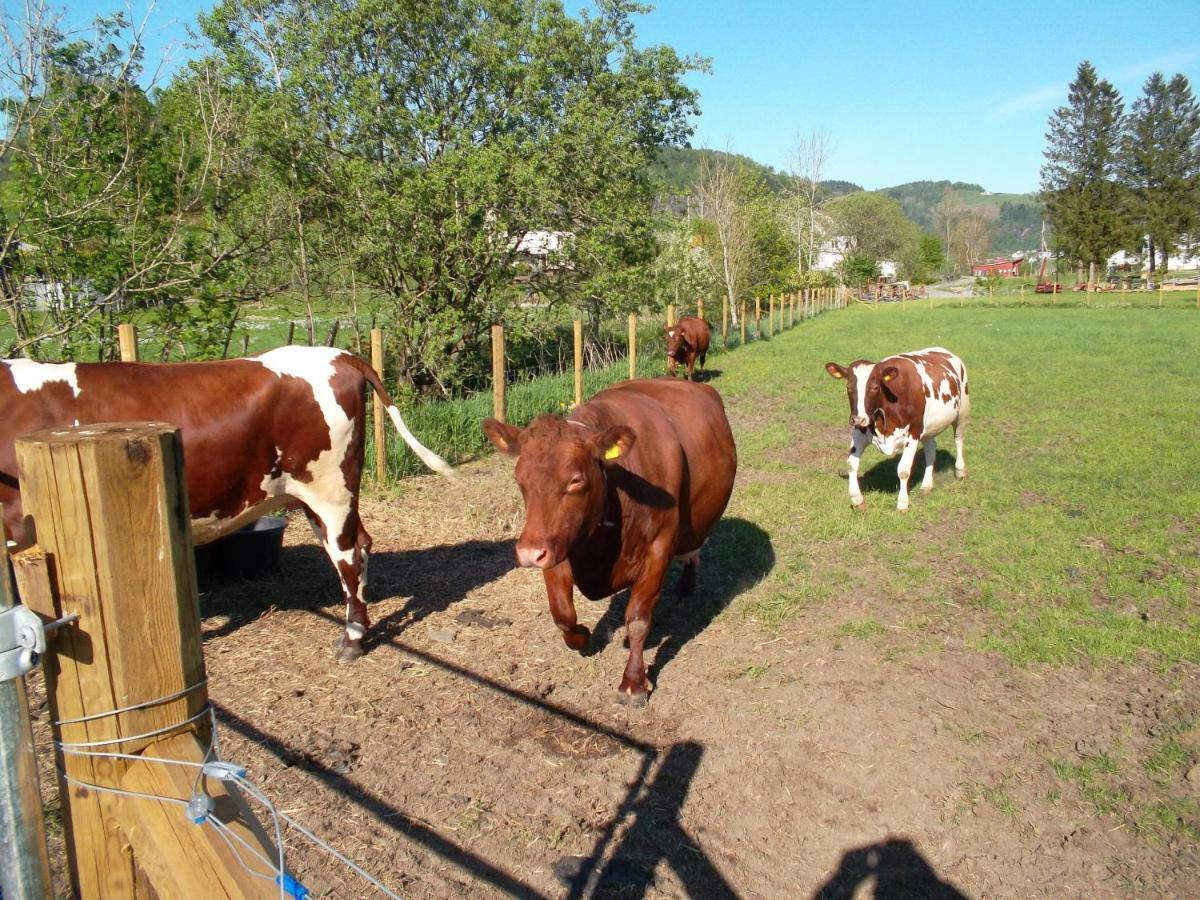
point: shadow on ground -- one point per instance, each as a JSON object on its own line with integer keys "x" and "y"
{"x": 433, "y": 579}
{"x": 898, "y": 869}
{"x": 881, "y": 478}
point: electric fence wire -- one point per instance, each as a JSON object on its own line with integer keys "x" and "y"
{"x": 199, "y": 807}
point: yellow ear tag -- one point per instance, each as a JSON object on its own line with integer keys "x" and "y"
{"x": 887, "y": 377}
{"x": 613, "y": 452}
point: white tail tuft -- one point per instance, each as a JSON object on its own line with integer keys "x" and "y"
{"x": 428, "y": 457}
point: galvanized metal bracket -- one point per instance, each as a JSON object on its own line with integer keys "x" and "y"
{"x": 23, "y": 639}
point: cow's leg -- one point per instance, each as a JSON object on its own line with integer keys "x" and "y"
{"x": 691, "y": 367}
{"x": 960, "y": 464}
{"x": 859, "y": 439}
{"x": 687, "y": 578}
{"x": 904, "y": 470}
{"x": 703, "y": 359}
{"x": 348, "y": 549}
{"x": 671, "y": 366}
{"x": 930, "y": 459}
{"x": 643, "y": 597}
{"x": 560, "y": 591}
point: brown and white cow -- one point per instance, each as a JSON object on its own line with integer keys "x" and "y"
{"x": 687, "y": 341}
{"x": 258, "y": 433}
{"x": 630, "y": 480}
{"x": 901, "y": 403}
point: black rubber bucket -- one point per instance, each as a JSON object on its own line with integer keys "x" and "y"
{"x": 246, "y": 554}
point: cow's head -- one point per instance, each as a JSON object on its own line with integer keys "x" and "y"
{"x": 858, "y": 380}
{"x": 560, "y": 471}
{"x": 675, "y": 340}
{"x": 888, "y": 421}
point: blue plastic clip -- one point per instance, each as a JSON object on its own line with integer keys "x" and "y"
{"x": 292, "y": 886}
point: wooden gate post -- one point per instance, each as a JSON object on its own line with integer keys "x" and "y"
{"x": 377, "y": 407}
{"x": 633, "y": 345}
{"x": 498, "y": 375}
{"x": 578, "y": 328}
{"x": 110, "y": 512}
{"x": 127, "y": 340}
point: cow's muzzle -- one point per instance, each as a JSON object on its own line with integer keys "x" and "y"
{"x": 860, "y": 422}
{"x": 536, "y": 553}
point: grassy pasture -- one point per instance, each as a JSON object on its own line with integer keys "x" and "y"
{"x": 1075, "y": 534}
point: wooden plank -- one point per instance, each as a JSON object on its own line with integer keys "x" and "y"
{"x": 377, "y": 407}
{"x": 578, "y": 329}
{"x": 127, "y": 341}
{"x": 633, "y": 345}
{"x": 110, "y": 511}
{"x": 32, "y": 572}
{"x": 498, "y": 375}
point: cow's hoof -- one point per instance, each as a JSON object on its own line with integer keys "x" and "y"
{"x": 960, "y": 474}
{"x": 350, "y": 652}
{"x": 578, "y": 638}
{"x": 633, "y": 698}
{"x": 901, "y": 509}
{"x": 859, "y": 506}
{"x": 926, "y": 490}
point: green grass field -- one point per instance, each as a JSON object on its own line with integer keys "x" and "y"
{"x": 1075, "y": 534}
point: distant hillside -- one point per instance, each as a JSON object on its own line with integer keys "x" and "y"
{"x": 678, "y": 167}
{"x": 1016, "y": 218}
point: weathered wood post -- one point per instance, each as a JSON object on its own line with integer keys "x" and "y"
{"x": 758, "y": 318}
{"x": 110, "y": 512}
{"x": 377, "y": 407}
{"x": 127, "y": 341}
{"x": 724, "y": 320}
{"x": 670, "y": 314}
{"x": 578, "y": 342}
{"x": 633, "y": 319}
{"x": 792, "y": 310}
{"x": 699, "y": 307}
{"x": 743, "y": 323}
{"x": 498, "y": 376}
{"x": 771, "y": 331}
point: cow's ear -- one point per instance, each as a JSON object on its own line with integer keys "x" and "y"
{"x": 835, "y": 370}
{"x": 888, "y": 373}
{"x": 505, "y": 438}
{"x": 613, "y": 443}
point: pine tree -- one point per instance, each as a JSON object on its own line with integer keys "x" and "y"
{"x": 1160, "y": 162}
{"x": 1080, "y": 186}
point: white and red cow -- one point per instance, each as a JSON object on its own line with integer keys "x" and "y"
{"x": 901, "y": 403}
{"x": 258, "y": 433}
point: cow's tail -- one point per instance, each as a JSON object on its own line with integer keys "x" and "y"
{"x": 428, "y": 457}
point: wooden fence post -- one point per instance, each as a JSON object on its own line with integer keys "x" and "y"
{"x": 109, "y": 506}
{"x": 758, "y": 318}
{"x": 377, "y": 407}
{"x": 498, "y": 375}
{"x": 699, "y": 307}
{"x": 127, "y": 340}
{"x": 771, "y": 332}
{"x": 792, "y": 310}
{"x": 670, "y": 314}
{"x": 633, "y": 322}
{"x": 578, "y": 328}
{"x": 743, "y": 323}
{"x": 291, "y": 332}
{"x": 724, "y": 320}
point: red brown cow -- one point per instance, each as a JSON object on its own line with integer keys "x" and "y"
{"x": 630, "y": 480}
{"x": 902, "y": 403}
{"x": 687, "y": 341}
{"x": 257, "y": 434}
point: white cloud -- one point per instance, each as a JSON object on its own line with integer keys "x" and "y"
{"x": 1043, "y": 98}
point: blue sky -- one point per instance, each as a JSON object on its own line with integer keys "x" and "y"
{"x": 904, "y": 92}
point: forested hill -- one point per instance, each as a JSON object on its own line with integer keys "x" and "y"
{"x": 1016, "y": 219}
{"x": 678, "y": 167}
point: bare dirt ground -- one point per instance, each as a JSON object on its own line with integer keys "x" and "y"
{"x": 470, "y": 754}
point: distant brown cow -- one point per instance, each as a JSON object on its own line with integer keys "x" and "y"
{"x": 687, "y": 340}
{"x": 632, "y": 479}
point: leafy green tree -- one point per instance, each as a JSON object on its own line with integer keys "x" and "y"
{"x": 876, "y": 227}
{"x": 858, "y": 268}
{"x": 439, "y": 137}
{"x": 1080, "y": 186}
{"x": 1160, "y": 162}
{"x": 930, "y": 260}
